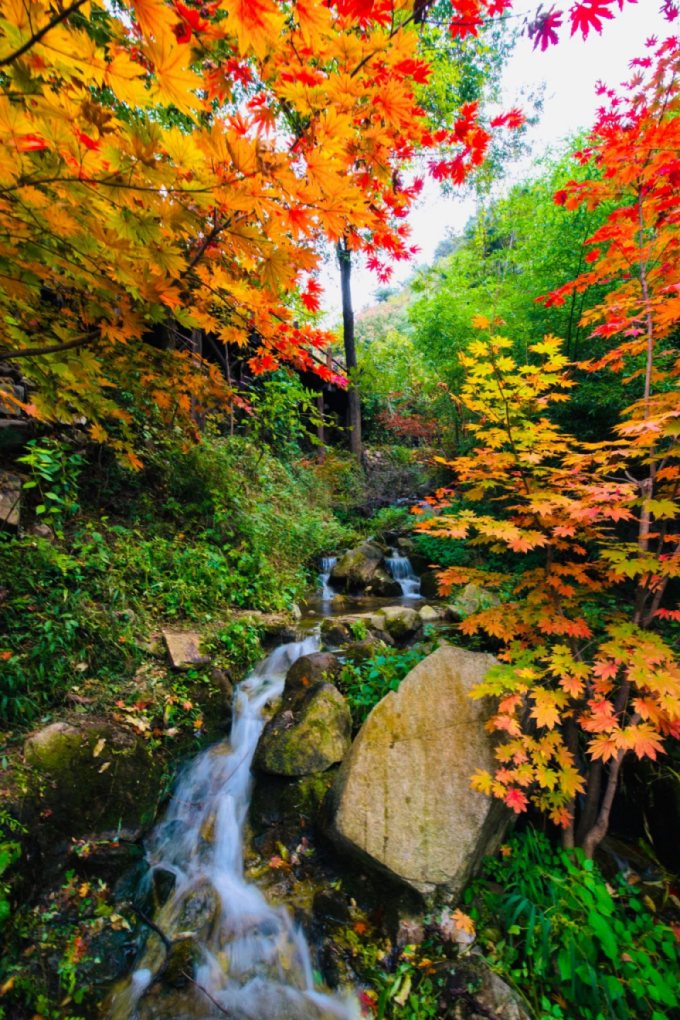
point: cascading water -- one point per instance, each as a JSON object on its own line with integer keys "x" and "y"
{"x": 250, "y": 957}
{"x": 401, "y": 570}
{"x": 327, "y": 564}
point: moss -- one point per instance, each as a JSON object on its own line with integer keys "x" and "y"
{"x": 94, "y": 777}
{"x": 310, "y": 733}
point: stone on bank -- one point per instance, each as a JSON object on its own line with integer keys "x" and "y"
{"x": 402, "y": 799}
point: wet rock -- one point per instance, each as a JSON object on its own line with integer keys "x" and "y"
{"x": 109, "y": 954}
{"x": 222, "y": 680}
{"x": 288, "y": 805}
{"x": 360, "y": 651}
{"x": 183, "y": 649}
{"x": 182, "y": 959}
{"x": 429, "y": 587}
{"x": 402, "y": 798}
{"x": 339, "y": 600}
{"x": 405, "y": 545}
{"x": 471, "y": 600}
{"x": 428, "y": 614}
{"x": 10, "y": 501}
{"x": 93, "y": 777}
{"x": 334, "y": 633}
{"x": 490, "y": 991}
{"x": 197, "y": 913}
{"x": 310, "y": 732}
{"x": 384, "y": 586}
{"x": 312, "y": 669}
{"x": 401, "y": 623}
{"x": 330, "y": 905}
{"x": 357, "y": 568}
{"x": 164, "y": 882}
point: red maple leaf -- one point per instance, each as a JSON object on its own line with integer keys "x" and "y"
{"x": 589, "y": 14}
{"x": 310, "y": 296}
{"x": 515, "y": 799}
{"x": 543, "y": 29}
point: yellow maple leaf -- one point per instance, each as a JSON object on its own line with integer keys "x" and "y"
{"x": 154, "y": 17}
{"x": 176, "y": 81}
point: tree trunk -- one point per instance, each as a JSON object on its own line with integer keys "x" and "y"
{"x": 319, "y": 428}
{"x": 354, "y": 413}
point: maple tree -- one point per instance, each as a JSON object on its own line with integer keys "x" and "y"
{"x": 587, "y": 676}
{"x": 168, "y": 168}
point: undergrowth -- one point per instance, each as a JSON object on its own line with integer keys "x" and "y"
{"x": 573, "y": 943}
{"x": 226, "y": 525}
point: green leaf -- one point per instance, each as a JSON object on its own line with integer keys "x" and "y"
{"x": 601, "y": 929}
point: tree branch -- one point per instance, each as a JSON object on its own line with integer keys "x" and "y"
{"x": 56, "y": 20}
{"x": 28, "y": 352}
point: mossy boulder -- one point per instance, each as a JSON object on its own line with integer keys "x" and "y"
{"x": 310, "y": 732}
{"x": 428, "y": 614}
{"x": 360, "y": 651}
{"x": 384, "y": 586}
{"x": 356, "y": 569}
{"x": 471, "y": 600}
{"x": 93, "y": 777}
{"x": 312, "y": 669}
{"x": 335, "y": 633}
{"x": 401, "y": 623}
{"x": 288, "y": 804}
{"x": 429, "y": 586}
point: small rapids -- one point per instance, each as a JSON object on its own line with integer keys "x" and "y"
{"x": 401, "y": 570}
{"x": 250, "y": 957}
{"x": 327, "y": 564}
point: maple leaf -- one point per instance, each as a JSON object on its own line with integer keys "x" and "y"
{"x": 543, "y": 30}
{"x": 516, "y": 800}
{"x": 589, "y": 14}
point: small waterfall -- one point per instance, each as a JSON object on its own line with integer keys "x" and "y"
{"x": 327, "y": 564}
{"x": 251, "y": 957}
{"x": 401, "y": 570}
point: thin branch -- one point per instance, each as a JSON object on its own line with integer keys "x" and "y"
{"x": 56, "y": 20}
{"x": 206, "y": 992}
{"x": 28, "y": 352}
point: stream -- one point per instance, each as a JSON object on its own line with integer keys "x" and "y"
{"x": 249, "y": 957}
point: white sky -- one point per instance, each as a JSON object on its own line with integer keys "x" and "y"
{"x": 569, "y": 71}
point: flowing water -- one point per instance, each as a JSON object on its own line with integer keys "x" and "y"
{"x": 250, "y": 957}
{"x": 327, "y": 564}
{"x": 401, "y": 570}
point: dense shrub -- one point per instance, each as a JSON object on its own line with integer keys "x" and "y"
{"x": 574, "y": 944}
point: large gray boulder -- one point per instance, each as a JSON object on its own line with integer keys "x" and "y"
{"x": 357, "y": 567}
{"x": 402, "y": 799}
{"x": 311, "y": 731}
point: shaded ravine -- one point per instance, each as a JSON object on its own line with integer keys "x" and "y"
{"x": 249, "y": 956}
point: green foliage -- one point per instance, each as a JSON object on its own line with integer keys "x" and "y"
{"x": 225, "y": 525}
{"x": 406, "y": 991}
{"x": 284, "y": 412}
{"x": 390, "y": 518}
{"x": 53, "y": 472}
{"x": 575, "y": 945}
{"x": 10, "y": 852}
{"x": 365, "y": 683}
